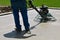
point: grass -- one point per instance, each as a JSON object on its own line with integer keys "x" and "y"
{"x": 50, "y": 3}
{"x": 4, "y": 2}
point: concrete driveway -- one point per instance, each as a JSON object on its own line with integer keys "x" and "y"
{"x": 39, "y": 31}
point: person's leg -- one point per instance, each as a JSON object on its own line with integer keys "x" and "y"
{"x": 25, "y": 17}
{"x": 15, "y": 14}
{"x": 16, "y": 18}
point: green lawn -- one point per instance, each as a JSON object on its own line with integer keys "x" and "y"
{"x": 50, "y": 3}
{"x": 4, "y": 2}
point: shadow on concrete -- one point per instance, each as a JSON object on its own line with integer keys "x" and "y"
{"x": 14, "y": 34}
{"x": 39, "y": 19}
{"x": 20, "y": 35}
{"x": 34, "y": 26}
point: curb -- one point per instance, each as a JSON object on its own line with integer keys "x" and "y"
{"x": 7, "y": 13}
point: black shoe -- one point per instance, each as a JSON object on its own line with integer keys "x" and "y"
{"x": 18, "y": 30}
{"x": 28, "y": 31}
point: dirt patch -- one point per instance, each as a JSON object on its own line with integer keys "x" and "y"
{"x": 4, "y": 9}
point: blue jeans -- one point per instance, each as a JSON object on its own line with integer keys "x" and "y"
{"x": 16, "y": 6}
